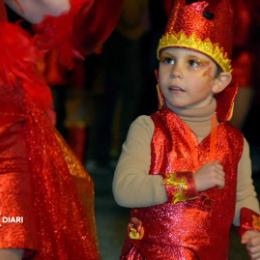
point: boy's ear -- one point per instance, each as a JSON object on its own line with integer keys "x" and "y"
{"x": 221, "y": 82}
{"x": 156, "y": 73}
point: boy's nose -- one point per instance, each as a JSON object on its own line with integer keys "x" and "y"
{"x": 176, "y": 71}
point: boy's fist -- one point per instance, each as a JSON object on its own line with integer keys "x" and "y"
{"x": 209, "y": 175}
{"x": 252, "y": 241}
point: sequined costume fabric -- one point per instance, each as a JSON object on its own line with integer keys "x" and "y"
{"x": 41, "y": 181}
{"x": 195, "y": 229}
{"x": 39, "y": 176}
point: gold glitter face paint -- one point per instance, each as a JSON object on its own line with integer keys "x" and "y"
{"x": 208, "y": 71}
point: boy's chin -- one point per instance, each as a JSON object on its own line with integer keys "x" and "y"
{"x": 175, "y": 107}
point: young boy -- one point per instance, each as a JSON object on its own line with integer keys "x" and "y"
{"x": 184, "y": 170}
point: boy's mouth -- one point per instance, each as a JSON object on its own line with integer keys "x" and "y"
{"x": 175, "y": 88}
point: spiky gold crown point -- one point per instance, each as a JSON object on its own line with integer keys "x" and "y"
{"x": 181, "y": 40}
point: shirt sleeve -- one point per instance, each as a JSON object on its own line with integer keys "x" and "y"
{"x": 132, "y": 184}
{"x": 246, "y": 195}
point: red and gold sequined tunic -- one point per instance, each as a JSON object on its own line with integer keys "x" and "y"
{"x": 194, "y": 229}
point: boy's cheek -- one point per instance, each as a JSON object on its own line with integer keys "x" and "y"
{"x": 208, "y": 72}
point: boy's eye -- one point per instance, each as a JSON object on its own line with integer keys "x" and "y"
{"x": 194, "y": 63}
{"x": 167, "y": 60}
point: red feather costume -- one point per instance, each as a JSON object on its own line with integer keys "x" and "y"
{"x": 40, "y": 178}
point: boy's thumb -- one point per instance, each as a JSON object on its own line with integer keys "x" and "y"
{"x": 245, "y": 237}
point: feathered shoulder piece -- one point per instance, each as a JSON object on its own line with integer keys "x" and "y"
{"x": 79, "y": 31}
{"x": 18, "y": 70}
{"x": 57, "y": 33}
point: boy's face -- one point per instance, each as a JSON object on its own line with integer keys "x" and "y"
{"x": 187, "y": 78}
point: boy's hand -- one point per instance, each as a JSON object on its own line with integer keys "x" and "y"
{"x": 252, "y": 241}
{"x": 209, "y": 175}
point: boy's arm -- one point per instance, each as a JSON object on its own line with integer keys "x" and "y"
{"x": 34, "y": 11}
{"x": 133, "y": 186}
{"x": 250, "y": 232}
{"x": 246, "y": 195}
{"x": 247, "y": 207}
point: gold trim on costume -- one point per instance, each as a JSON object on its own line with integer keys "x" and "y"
{"x": 135, "y": 234}
{"x": 256, "y": 222}
{"x": 180, "y": 185}
{"x": 212, "y": 50}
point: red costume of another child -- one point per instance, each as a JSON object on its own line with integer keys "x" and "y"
{"x": 40, "y": 178}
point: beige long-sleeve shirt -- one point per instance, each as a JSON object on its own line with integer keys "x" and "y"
{"x": 134, "y": 187}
